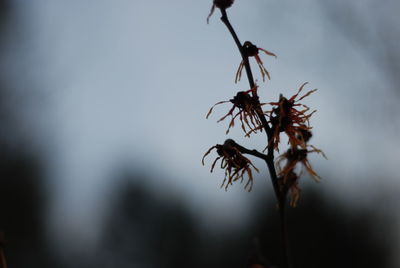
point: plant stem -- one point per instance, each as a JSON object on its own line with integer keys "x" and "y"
{"x": 225, "y": 20}
{"x": 249, "y": 74}
{"x": 284, "y": 235}
{"x": 269, "y": 158}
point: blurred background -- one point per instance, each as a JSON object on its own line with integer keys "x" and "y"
{"x": 103, "y": 104}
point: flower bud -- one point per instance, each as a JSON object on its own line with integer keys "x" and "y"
{"x": 223, "y": 3}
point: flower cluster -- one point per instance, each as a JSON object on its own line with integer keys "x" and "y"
{"x": 286, "y": 116}
{"x": 291, "y": 117}
{"x": 288, "y": 178}
{"x": 293, "y": 156}
{"x": 247, "y": 105}
{"x": 235, "y": 164}
{"x": 250, "y": 50}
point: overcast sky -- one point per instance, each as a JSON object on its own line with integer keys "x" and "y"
{"x": 131, "y": 82}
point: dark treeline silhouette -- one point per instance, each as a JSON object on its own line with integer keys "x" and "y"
{"x": 4, "y": 7}
{"x": 145, "y": 231}
{"x": 22, "y": 210}
{"x": 325, "y": 234}
{"x": 142, "y": 231}
{"x": 22, "y": 195}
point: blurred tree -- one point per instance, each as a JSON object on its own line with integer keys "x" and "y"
{"x": 323, "y": 234}
{"x": 22, "y": 209}
{"x": 374, "y": 28}
{"x": 22, "y": 196}
{"x": 143, "y": 231}
{"x": 4, "y": 8}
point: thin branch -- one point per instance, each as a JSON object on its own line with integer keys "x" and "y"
{"x": 281, "y": 199}
{"x": 247, "y": 67}
{"x": 244, "y": 150}
{"x": 269, "y": 158}
{"x": 225, "y": 20}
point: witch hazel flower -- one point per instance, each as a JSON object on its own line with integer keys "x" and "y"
{"x": 286, "y": 165}
{"x": 246, "y": 103}
{"x": 289, "y": 185}
{"x": 291, "y": 117}
{"x": 250, "y": 50}
{"x": 294, "y": 156}
{"x": 235, "y": 164}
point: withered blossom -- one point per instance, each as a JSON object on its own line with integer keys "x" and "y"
{"x": 288, "y": 178}
{"x": 247, "y": 105}
{"x": 294, "y": 156}
{"x": 289, "y": 184}
{"x": 223, "y": 4}
{"x": 251, "y": 50}
{"x": 236, "y": 165}
{"x": 286, "y": 116}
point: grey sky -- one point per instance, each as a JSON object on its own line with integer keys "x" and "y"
{"x": 134, "y": 79}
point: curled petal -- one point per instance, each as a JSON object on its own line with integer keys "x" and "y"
{"x": 211, "y": 109}
{"x": 213, "y": 164}
{"x": 249, "y": 184}
{"x": 319, "y": 151}
{"x": 229, "y": 113}
{"x": 298, "y": 92}
{"x": 263, "y": 71}
{"x": 310, "y": 171}
{"x": 239, "y": 71}
{"x": 211, "y": 12}
{"x": 267, "y": 52}
{"x": 308, "y": 94}
{"x": 207, "y": 153}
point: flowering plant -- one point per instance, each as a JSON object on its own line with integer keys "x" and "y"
{"x": 287, "y": 115}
